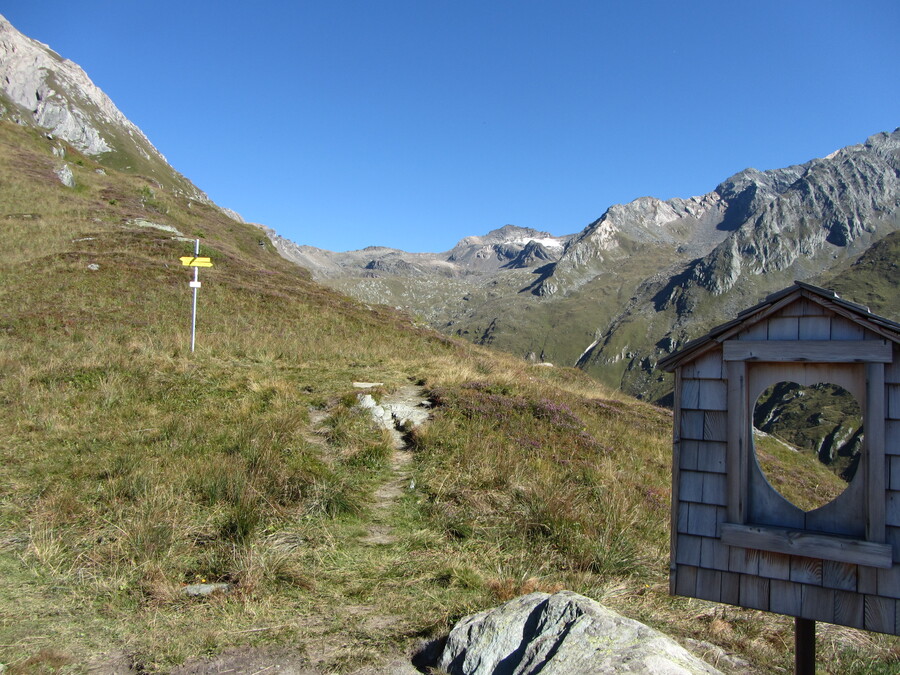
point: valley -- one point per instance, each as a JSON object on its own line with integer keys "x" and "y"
{"x": 646, "y": 276}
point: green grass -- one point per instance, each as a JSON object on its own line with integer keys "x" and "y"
{"x": 874, "y": 276}
{"x": 798, "y": 476}
{"x": 130, "y": 467}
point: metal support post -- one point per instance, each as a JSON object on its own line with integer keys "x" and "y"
{"x": 804, "y": 646}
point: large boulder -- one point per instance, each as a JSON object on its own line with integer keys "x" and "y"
{"x": 561, "y": 634}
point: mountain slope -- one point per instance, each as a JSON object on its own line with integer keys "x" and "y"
{"x": 131, "y": 468}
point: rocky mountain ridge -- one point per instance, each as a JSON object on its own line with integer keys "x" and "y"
{"x": 645, "y": 276}
{"x": 506, "y": 247}
{"x": 843, "y": 201}
{"x": 807, "y": 222}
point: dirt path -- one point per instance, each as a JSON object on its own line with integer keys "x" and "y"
{"x": 398, "y": 412}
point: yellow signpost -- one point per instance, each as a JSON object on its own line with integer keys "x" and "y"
{"x": 195, "y": 261}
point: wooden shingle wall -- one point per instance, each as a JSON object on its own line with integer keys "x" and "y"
{"x": 703, "y": 566}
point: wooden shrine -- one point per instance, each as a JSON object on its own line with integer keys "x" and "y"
{"x": 737, "y": 540}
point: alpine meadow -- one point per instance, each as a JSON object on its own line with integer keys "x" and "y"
{"x": 163, "y": 510}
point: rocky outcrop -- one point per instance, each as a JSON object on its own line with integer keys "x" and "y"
{"x": 844, "y": 201}
{"x": 561, "y": 634}
{"x": 64, "y": 173}
{"x": 394, "y": 265}
{"x": 57, "y": 95}
{"x": 39, "y": 88}
{"x": 646, "y": 222}
{"x": 534, "y": 253}
{"x": 750, "y": 190}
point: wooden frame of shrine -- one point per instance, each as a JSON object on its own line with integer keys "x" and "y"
{"x": 737, "y": 540}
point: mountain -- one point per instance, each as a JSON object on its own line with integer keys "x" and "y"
{"x": 438, "y": 288}
{"x": 42, "y": 90}
{"x": 504, "y": 248}
{"x": 649, "y": 275}
{"x": 808, "y": 222}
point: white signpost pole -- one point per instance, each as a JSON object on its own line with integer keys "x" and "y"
{"x": 196, "y": 262}
{"x": 196, "y": 286}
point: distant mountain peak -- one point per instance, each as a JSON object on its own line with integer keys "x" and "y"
{"x": 510, "y": 234}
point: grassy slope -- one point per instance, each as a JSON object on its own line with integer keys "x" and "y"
{"x": 874, "y": 278}
{"x": 131, "y": 467}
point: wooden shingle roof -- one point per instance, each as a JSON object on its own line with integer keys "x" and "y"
{"x": 859, "y": 314}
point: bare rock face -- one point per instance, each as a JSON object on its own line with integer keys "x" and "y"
{"x": 561, "y": 634}
{"x": 39, "y": 88}
{"x": 644, "y": 222}
{"x": 58, "y": 95}
{"x": 844, "y": 201}
{"x": 754, "y": 222}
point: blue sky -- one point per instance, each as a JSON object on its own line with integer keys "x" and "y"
{"x": 414, "y": 123}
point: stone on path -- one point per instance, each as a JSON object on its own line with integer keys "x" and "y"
{"x": 561, "y": 634}
{"x": 404, "y": 409}
{"x": 206, "y": 589}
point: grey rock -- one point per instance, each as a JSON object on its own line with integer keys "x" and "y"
{"x": 381, "y": 417}
{"x": 231, "y": 213}
{"x": 140, "y": 222}
{"x": 407, "y": 414}
{"x": 64, "y": 173}
{"x": 402, "y": 410}
{"x": 26, "y": 67}
{"x": 206, "y": 589}
{"x": 561, "y": 634}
